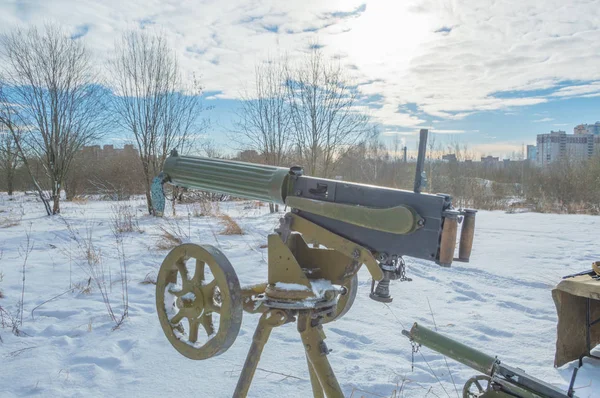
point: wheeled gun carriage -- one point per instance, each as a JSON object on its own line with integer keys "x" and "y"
{"x": 497, "y": 379}
{"x": 331, "y": 230}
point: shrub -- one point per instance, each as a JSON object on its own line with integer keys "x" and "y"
{"x": 124, "y": 219}
{"x": 230, "y": 226}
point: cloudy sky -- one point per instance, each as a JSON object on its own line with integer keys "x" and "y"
{"x": 489, "y": 73}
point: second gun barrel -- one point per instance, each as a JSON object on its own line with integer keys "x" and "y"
{"x": 468, "y": 356}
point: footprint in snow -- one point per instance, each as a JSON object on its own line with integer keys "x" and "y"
{"x": 353, "y": 336}
{"x": 59, "y": 314}
{"x": 126, "y": 345}
{"x": 102, "y": 362}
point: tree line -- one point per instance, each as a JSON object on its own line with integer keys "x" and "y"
{"x": 54, "y": 101}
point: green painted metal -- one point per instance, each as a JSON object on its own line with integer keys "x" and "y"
{"x": 240, "y": 179}
{"x": 397, "y": 220}
{"x": 468, "y": 356}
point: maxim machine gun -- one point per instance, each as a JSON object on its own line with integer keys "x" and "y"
{"x": 497, "y": 380}
{"x": 332, "y": 228}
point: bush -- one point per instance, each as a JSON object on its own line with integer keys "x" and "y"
{"x": 172, "y": 235}
{"x": 124, "y": 219}
{"x": 230, "y": 226}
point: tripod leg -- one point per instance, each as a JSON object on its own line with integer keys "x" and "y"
{"x": 267, "y": 322}
{"x": 314, "y": 380}
{"x": 316, "y": 351}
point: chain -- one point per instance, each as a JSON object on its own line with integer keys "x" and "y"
{"x": 415, "y": 349}
{"x": 401, "y": 270}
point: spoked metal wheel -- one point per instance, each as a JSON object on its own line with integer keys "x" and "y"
{"x": 476, "y": 386}
{"x": 192, "y": 295}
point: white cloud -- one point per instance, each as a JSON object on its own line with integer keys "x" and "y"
{"x": 391, "y": 133}
{"x": 584, "y": 90}
{"x": 448, "y": 131}
{"x": 450, "y": 59}
{"x": 390, "y": 115}
{"x": 543, "y": 120}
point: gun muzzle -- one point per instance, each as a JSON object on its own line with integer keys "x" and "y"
{"x": 466, "y": 235}
{"x": 468, "y": 356}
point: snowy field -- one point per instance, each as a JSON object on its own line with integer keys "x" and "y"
{"x": 500, "y": 303}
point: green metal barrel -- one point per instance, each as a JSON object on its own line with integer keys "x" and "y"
{"x": 240, "y": 179}
{"x": 468, "y": 356}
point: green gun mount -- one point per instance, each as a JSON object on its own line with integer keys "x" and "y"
{"x": 497, "y": 380}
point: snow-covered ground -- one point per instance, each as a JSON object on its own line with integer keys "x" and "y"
{"x": 499, "y": 303}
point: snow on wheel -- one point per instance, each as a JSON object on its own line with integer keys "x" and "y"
{"x": 205, "y": 294}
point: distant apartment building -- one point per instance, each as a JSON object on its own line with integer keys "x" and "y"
{"x": 491, "y": 161}
{"x": 584, "y": 129}
{"x": 451, "y": 157}
{"x": 531, "y": 153}
{"x": 107, "y": 152}
{"x": 558, "y": 145}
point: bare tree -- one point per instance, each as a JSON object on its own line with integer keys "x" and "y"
{"x": 9, "y": 159}
{"x": 57, "y": 98}
{"x": 264, "y": 120}
{"x": 324, "y": 118}
{"x": 160, "y": 112}
{"x": 12, "y": 124}
{"x": 210, "y": 149}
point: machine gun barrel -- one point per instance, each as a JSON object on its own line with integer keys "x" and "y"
{"x": 468, "y": 356}
{"x": 506, "y": 379}
{"x": 241, "y": 179}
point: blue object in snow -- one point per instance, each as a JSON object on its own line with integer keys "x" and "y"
{"x": 157, "y": 194}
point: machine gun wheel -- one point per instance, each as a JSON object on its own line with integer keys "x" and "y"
{"x": 186, "y": 301}
{"x": 476, "y": 386}
{"x": 345, "y": 301}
